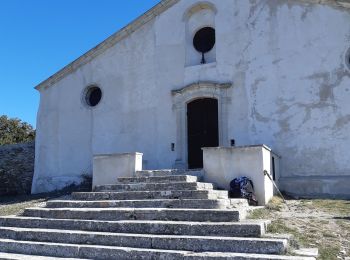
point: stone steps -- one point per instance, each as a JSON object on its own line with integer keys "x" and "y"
{"x": 212, "y": 215}
{"x": 165, "y": 173}
{"x": 166, "y": 203}
{"x": 161, "y": 194}
{"x": 168, "y": 242}
{"x": 234, "y": 229}
{"x": 155, "y": 215}
{"x": 158, "y": 179}
{"x": 9, "y": 256}
{"x": 156, "y": 186}
{"x": 124, "y": 253}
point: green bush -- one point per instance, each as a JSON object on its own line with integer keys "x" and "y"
{"x": 13, "y": 131}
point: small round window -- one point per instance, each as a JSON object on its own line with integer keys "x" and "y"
{"x": 93, "y": 96}
{"x": 204, "y": 40}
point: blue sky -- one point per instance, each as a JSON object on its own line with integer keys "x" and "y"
{"x": 39, "y": 37}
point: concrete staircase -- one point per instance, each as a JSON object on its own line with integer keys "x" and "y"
{"x": 156, "y": 215}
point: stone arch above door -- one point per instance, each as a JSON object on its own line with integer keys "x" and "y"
{"x": 182, "y": 96}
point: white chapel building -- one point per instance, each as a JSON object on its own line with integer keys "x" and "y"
{"x": 190, "y": 74}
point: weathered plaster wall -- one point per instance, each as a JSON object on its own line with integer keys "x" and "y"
{"x": 16, "y": 168}
{"x": 298, "y": 91}
{"x": 286, "y": 60}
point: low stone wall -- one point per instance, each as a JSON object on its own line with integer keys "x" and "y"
{"x": 16, "y": 168}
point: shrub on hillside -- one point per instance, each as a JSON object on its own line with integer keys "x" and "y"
{"x": 13, "y": 131}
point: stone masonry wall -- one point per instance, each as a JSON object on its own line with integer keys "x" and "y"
{"x": 16, "y": 168}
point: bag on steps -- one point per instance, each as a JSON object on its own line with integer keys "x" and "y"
{"x": 243, "y": 187}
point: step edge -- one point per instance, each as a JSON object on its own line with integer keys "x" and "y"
{"x": 170, "y": 222}
{"x": 185, "y": 253}
{"x": 19, "y": 230}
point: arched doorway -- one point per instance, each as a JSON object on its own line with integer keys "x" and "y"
{"x": 202, "y": 129}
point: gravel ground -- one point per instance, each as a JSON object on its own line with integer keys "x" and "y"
{"x": 17, "y": 204}
{"x": 324, "y": 224}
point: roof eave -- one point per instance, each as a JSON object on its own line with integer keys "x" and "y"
{"x": 106, "y": 44}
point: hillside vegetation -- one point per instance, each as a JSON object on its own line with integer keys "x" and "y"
{"x": 14, "y": 131}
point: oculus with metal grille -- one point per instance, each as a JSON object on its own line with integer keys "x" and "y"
{"x": 204, "y": 41}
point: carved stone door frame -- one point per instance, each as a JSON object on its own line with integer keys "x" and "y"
{"x": 183, "y": 96}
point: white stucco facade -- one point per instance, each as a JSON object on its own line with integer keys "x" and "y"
{"x": 223, "y": 164}
{"x": 278, "y": 70}
{"x": 108, "y": 168}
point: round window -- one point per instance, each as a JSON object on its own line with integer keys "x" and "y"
{"x": 93, "y": 96}
{"x": 204, "y": 40}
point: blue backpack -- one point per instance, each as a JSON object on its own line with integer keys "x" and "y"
{"x": 243, "y": 187}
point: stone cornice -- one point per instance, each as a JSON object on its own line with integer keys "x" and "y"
{"x": 203, "y": 84}
{"x": 106, "y": 44}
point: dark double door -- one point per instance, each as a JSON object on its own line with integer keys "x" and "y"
{"x": 202, "y": 129}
